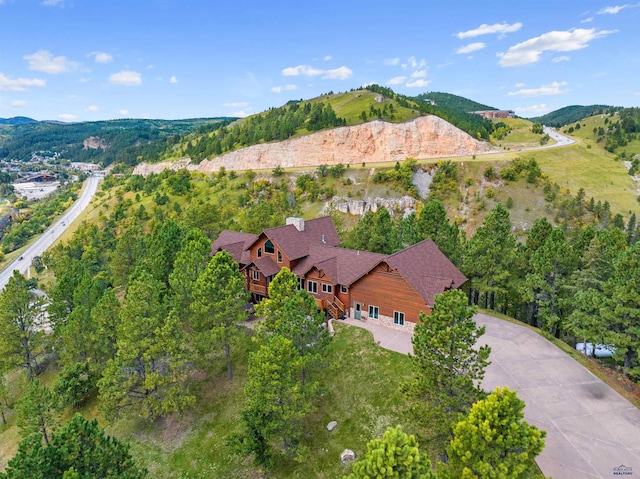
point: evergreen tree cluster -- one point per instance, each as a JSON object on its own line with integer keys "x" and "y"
{"x": 475, "y": 125}
{"x": 276, "y": 124}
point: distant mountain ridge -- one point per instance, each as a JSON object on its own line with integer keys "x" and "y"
{"x": 17, "y": 120}
{"x": 572, "y": 114}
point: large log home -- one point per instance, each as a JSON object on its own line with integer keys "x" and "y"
{"x": 392, "y": 289}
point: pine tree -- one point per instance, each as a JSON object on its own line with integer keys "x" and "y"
{"x": 21, "y": 332}
{"x": 448, "y": 368}
{"x": 276, "y": 402}
{"x": 38, "y": 411}
{"x": 190, "y": 262}
{"x": 493, "y": 441}
{"x": 394, "y": 456}
{"x": 489, "y": 256}
{"x": 150, "y": 368}
{"x": 80, "y": 449}
{"x": 620, "y": 310}
{"x": 219, "y": 306}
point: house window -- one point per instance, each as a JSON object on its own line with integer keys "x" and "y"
{"x": 268, "y": 247}
{"x": 259, "y": 252}
{"x": 343, "y": 289}
{"x": 312, "y": 287}
{"x": 256, "y": 275}
{"x": 300, "y": 283}
{"x": 398, "y": 318}
{"x": 279, "y": 256}
{"x": 374, "y": 312}
{"x": 327, "y": 288}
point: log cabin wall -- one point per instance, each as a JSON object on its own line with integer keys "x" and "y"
{"x": 389, "y": 291}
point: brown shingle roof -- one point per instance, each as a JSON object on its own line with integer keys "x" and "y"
{"x": 295, "y": 244}
{"x": 235, "y": 243}
{"x": 426, "y": 269}
{"x": 266, "y": 266}
{"x": 342, "y": 266}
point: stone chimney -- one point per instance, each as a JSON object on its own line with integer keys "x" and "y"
{"x": 297, "y": 222}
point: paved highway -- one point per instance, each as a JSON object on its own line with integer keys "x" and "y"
{"x": 560, "y": 139}
{"x": 47, "y": 238}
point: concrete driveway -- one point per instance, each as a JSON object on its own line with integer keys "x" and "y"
{"x": 591, "y": 429}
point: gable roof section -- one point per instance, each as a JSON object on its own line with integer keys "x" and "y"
{"x": 235, "y": 243}
{"x": 342, "y": 266}
{"x": 315, "y": 229}
{"x": 295, "y": 244}
{"x": 426, "y": 269}
{"x": 266, "y": 266}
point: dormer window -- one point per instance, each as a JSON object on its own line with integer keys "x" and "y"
{"x": 279, "y": 256}
{"x": 259, "y": 252}
{"x": 268, "y": 247}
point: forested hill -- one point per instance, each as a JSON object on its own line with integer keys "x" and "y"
{"x": 105, "y": 142}
{"x": 448, "y": 100}
{"x": 573, "y": 113}
{"x": 301, "y": 117}
{"x": 16, "y": 120}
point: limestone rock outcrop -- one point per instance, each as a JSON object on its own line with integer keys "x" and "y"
{"x": 145, "y": 169}
{"x": 372, "y": 142}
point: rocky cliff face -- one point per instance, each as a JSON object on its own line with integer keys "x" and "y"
{"x": 372, "y": 142}
{"x": 376, "y": 141}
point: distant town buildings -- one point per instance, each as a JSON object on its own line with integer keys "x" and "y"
{"x": 493, "y": 114}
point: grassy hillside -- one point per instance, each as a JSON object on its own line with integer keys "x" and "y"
{"x": 360, "y": 384}
{"x": 449, "y": 100}
{"x": 350, "y": 105}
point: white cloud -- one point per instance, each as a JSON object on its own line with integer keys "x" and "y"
{"x": 67, "y": 117}
{"x": 123, "y": 112}
{"x": 471, "y": 47}
{"x": 53, "y": 3}
{"x": 101, "y": 57}
{"x": 19, "y": 84}
{"x": 530, "y": 50}
{"x": 241, "y": 113}
{"x": 326, "y": 58}
{"x": 18, "y": 103}
{"x": 519, "y": 85}
{"x": 419, "y": 74}
{"x": 396, "y": 80}
{"x": 91, "y": 109}
{"x": 587, "y": 20}
{"x": 126, "y": 77}
{"x": 237, "y": 104}
{"x": 391, "y": 62}
{"x": 342, "y": 73}
{"x": 83, "y": 80}
{"x": 301, "y": 70}
{"x": 486, "y": 29}
{"x": 554, "y": 88}
{"x": 612, "y": 10}
{"x": 539, "y": 109}
{"x": 561, "y": 58}
{"x": 413, "y": 62}
{"x": 420, "y": 83}
{"x": 44, "y": 61}
{"x": 173, "y": 79}
{"x": 365, "y": 85}
{"x": 280, "y": 89}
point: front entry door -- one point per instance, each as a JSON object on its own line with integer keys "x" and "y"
{"x": 357, "y": 311}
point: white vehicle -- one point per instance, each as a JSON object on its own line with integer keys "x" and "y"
{"x": 601, "y": 351}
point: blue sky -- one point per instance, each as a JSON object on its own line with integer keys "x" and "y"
{"x": 83, "y": 60}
